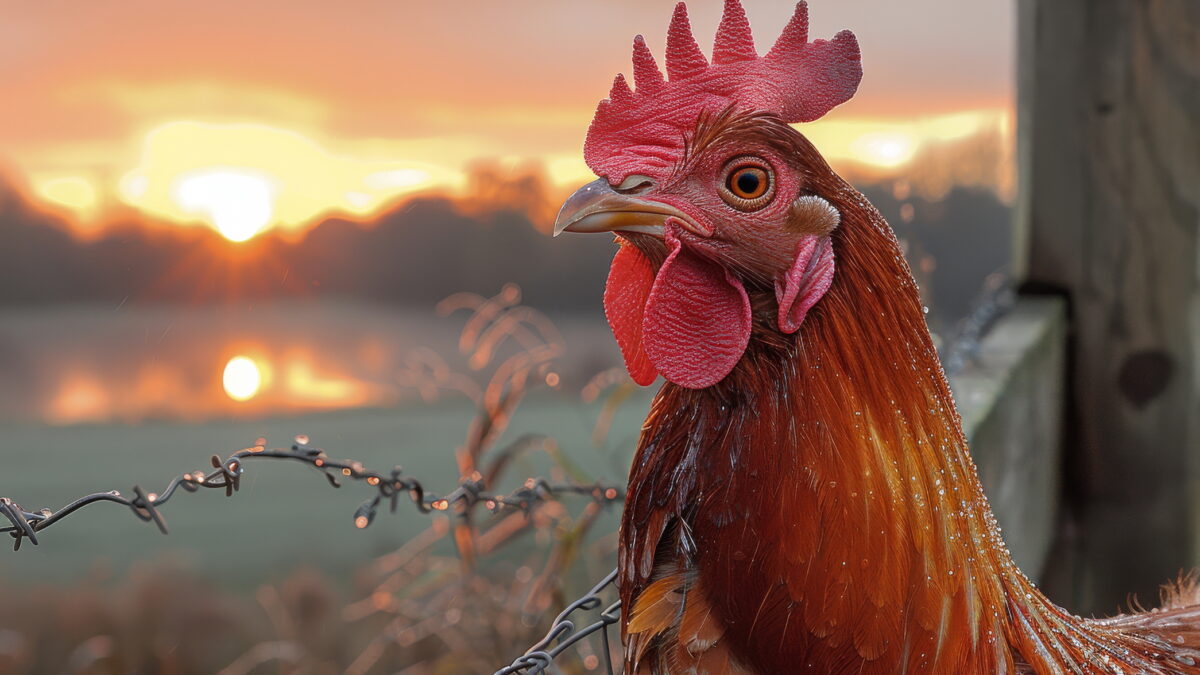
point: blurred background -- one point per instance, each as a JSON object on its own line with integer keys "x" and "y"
{"x": 222, "y": 220}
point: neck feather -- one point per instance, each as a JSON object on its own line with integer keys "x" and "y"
{"x": 829, "y": 497}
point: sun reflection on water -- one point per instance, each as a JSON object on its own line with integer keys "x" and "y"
{"x": 241, "y": 378}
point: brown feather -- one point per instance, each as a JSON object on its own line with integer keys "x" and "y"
{"x": 658, "y": 607}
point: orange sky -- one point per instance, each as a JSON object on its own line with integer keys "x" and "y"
{"x": 250, "y": 115}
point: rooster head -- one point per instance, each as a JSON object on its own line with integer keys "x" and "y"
{"x": 718, "y": 204}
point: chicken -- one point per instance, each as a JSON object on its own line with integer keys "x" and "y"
{"x": 802, "y": 498}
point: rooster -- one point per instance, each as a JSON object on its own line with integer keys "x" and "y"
{"x": 802, "y": 497}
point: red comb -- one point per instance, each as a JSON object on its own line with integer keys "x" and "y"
{"x": 642, "y": 132}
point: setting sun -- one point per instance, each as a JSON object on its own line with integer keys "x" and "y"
{"x": 239, "y": 203}
{"x": 885, "y": 148}
{"x": 241, "y": 378}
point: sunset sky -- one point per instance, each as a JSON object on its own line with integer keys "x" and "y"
{"x": 251, "y": 115}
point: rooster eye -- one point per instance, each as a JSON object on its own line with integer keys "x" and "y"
{"x": 748, "y": 184}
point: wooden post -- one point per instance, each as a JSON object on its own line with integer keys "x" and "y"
{"x": 1108, "y": 215}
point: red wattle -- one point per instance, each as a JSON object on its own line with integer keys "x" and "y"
{"x": 697, "y": 319}
{"x": 625, "y": 294}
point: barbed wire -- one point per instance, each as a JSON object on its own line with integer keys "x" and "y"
{"x": 563, "y": 634}
{"x": 390, "y": 487}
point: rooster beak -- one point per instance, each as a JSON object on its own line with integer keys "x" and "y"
{"x": 596, "y": 207}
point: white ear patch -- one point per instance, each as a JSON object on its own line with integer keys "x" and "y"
{"x": 813, "y": 215}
